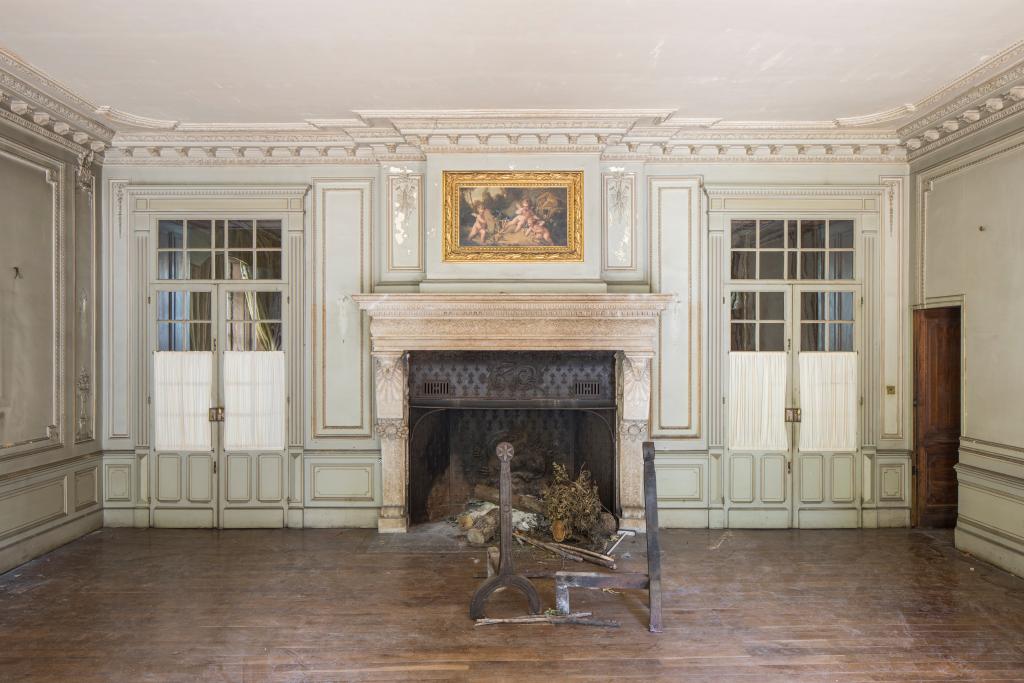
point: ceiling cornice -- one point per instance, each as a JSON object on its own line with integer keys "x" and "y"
{"x": 988, "y": 93}
{"x": 35, "y": 101}
{"x": 983, "y": 97}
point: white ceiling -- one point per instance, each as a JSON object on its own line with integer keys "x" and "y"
{"x": 286, "y": 61}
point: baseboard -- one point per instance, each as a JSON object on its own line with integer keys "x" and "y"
{"x": 683, "y": 518}
{"x": 54, "y": 537}
{"x": 893, "y": 518}
{"x": 990, "y": 545}
{"x": 326, "y": 518}
{"x": 126, "y": 517}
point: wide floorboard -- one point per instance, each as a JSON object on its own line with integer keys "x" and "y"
{"x": 350, "y": 605}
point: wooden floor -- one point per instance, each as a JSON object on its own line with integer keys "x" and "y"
{"x": 333, "y": 605}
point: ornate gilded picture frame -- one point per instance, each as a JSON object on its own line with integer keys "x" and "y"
{"x": 500, "y": 216}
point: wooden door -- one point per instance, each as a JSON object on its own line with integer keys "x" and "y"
{"x": 936, "y": 415}
{"x": 825, "y": 364}
{"x": 758, "y": 462}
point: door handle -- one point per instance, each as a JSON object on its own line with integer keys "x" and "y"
{"x": 216, "y": 414}
{"x": 792, "y": 415}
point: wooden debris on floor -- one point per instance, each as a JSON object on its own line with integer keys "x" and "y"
{"x": 554, "y": 618}
{"x": 617, "y": 539}
{"x": 519, "y": 501}
{"x": 569, "y": 552}
{"x": 484, "y": 528}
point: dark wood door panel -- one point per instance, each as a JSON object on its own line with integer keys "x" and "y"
{"x": 936, "y": 415}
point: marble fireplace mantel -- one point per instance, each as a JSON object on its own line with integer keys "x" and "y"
{"x": 625, "y": 323}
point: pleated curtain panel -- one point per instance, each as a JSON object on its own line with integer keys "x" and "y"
{"x": 828, "y": 401}
{"x": 182, "y": 384}
{"x": 254, "y": 400}
{"x": 757, "y": 401}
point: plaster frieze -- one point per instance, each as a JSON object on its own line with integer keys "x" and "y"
{"x": 793, "y": 191}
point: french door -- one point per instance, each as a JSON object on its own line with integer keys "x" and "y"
{"x": 218, "y": 395}
{"x": 792, "y": 405}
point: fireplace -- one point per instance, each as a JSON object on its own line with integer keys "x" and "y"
{"x": 552, "y": 407}
{"x": 403, "y": 325}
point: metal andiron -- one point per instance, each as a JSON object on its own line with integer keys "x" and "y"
{"x": 506, "y": 576}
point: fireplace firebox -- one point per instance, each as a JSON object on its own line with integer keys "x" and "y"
{"x": 554, "y": 407}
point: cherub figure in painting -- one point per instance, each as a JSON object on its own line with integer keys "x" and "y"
{"x": 539, "y": 231}
{"x": 524, "y": 215}
{"x": 485, "y": 223}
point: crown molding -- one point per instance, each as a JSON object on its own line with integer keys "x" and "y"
{"x": 46, "y": 107}
{"x": 997, "y": 99}
{"x": 1003, "y": 60}
{"x": 615, "y": 135}
{"x": 134, "y": 120}
{"x": 988, "y": 93}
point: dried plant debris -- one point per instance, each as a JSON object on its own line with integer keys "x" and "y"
{"x": 572, "y": 508}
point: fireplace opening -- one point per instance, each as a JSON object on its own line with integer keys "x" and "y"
{"x": 552, "y": 407}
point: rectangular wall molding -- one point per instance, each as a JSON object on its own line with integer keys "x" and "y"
{"x": 676, "y": 258}
{"x": 342, "y": 266}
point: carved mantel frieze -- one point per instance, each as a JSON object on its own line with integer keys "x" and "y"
{"x": 524, "y": 322}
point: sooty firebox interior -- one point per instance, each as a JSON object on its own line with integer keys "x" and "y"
{"x": 552, "y": 407}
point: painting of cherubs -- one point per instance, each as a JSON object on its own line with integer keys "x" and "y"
{"x": 513, "y": 216}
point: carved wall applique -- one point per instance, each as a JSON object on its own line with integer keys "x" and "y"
{"x": 390, "y": 382}
{"x": 405, "y": 219}
{"x": 83, "y": 425}
{"x": 85, "y": 179}
{"x": 636, "y": 387}
{"x": 391, "y": 429}
{"x": 633, "y": 430}
{"x": 620, "y": 217}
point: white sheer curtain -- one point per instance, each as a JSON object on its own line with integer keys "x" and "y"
{"x": 254, "y": 400}
{"x": 828, "y": 401}
{"x": 757, "y": 400}
{"x": 181, "y": 400}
